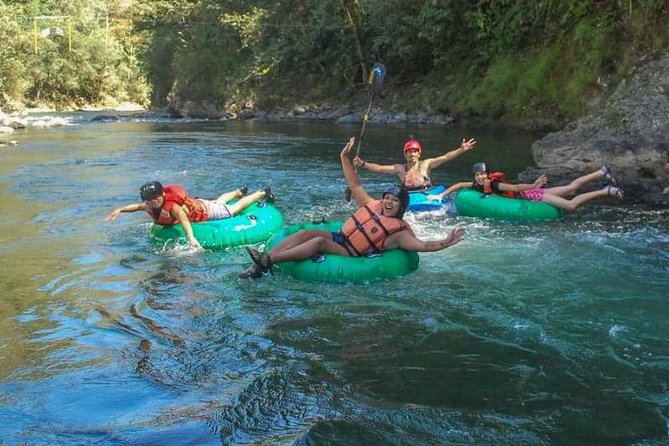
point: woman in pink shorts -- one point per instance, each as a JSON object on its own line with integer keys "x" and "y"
{"x": 491, "y": 184}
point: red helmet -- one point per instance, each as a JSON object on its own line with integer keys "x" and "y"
{"x": 412, "y": 144}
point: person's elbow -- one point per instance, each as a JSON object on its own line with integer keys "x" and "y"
{"x": 411, "y": 243}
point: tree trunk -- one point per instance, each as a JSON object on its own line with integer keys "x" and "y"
{"x": 356, "y": 36}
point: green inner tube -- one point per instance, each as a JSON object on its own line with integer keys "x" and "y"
{"x": 255, "y": 224}
{"x": 343, "y": 269}
{"x": 471, "y": 203}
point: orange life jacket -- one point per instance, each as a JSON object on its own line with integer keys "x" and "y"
{"x": 175, "y": 195}
{"x": 367, "y": 229}
{"x": 497, "y": 176}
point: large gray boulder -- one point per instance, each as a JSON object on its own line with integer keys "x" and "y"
{"x": 630, "y": 134}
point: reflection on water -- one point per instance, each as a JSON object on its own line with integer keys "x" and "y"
{"x": 543, "y": 333}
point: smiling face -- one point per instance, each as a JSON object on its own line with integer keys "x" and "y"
{"x": 480, "y": 177}
{"x": 156, "y": 202}
{"x": 391, "y": 205}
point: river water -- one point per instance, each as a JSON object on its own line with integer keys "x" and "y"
{"x": 523, "y": 334}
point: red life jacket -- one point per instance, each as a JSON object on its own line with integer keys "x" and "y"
{"x": 497, "y": 176}
{"x": 367, "y": 229}
{"x": 175, "y": 195}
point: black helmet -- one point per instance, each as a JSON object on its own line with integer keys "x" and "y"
{"x": 150, "y": 190}
{"x": 402, "y": 194}
{"x": 480, "y": 167}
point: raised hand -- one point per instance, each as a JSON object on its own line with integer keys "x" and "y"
{"x": 347, "y": 147}
{"x": 467, "y": 145}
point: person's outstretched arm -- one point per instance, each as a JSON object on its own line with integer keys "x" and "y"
{"x": 539, "y": 182}
{"x": 378, "y": 168}
{"x": 128, "y": 208}
{"x": 453, "y": 188}
{"x": 465, "y": 146}
{"x": 408, "y": 242}
{"x": 352, "y": 180}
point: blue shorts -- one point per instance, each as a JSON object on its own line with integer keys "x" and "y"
{"x": 339, "y": 239}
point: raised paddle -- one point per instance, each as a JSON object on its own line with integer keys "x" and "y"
{"x": 374, "y": 81}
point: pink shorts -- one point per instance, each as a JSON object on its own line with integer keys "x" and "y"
{"x": 536, "y": 194}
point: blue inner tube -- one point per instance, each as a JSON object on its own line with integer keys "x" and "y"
{"x": 419, "y": 202}
{"x": 255, "y": 224}
{"x": 343, "y": 269}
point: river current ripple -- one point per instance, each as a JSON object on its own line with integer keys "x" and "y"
{"x": 524, "y": 334}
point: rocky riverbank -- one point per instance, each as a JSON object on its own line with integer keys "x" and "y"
{"x": 9, "y": 124}
{"x": 630, "y": 134}
{"x": 340, "y": 114}
{"x": 25, "y": 118}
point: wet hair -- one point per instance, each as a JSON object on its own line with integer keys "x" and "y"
{"x": 150, "y": 190}
{"x": 402, "y": 194}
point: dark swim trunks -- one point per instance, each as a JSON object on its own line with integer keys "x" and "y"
{"x": 340, "y": 239}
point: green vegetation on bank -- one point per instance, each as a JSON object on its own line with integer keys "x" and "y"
{"x": 501, "y": 59}
{"x": 68, "y": 54}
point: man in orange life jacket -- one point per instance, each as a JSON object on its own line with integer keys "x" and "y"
{"x": 414, "y": 174}
{"x": 493, "y": 183}
{"x": 170, "y": 204}
{"x": 375, "y": 227}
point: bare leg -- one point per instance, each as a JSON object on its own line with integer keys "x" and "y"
{"x": 307, "y": 249}
{"x": 245, "y": 202}
{"x": 571, "y": 188}
{"x": 299, "y": 246}
{"x": 571, "y": 205}
{"x": 300, "y": 237}
{"x": 227, "y": 196}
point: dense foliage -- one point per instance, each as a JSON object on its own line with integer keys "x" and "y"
{"x": 512, "y": 59}
{"x": 69, "y": 54}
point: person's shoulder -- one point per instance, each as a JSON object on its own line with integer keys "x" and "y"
{"x": 366, "y": 201}
{"x": 404, "y": 230}
{"x": 404, "y": 233}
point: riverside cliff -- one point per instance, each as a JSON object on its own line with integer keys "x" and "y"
{"x": 630, "y": 134}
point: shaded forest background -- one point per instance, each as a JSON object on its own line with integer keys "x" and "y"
{"x": 521, "y": 61}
